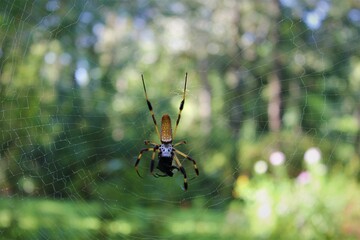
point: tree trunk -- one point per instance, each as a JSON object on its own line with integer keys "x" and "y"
{"x": 274, "y": 106}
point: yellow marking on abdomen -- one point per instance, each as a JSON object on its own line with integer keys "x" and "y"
{"x": 166, "y": 131}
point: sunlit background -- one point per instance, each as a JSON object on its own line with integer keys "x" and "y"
{"x": 272, "y": 117}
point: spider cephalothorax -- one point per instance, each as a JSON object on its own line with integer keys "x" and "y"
{"x": 166, "y": 150}
{"x": 167, "y": 153}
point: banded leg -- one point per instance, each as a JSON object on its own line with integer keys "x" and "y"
{"x": 152, "y": 164}
{"x": 140, "y": 155}
{"x": 180, "y": 108}
{"x": 182, "y": 170}
{"x": 148, "y": 142}
{"x": 150, "y": 107}
{"x": 190, "y": 159}
{"x": 179, "y": 143}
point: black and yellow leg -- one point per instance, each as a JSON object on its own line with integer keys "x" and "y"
{"x": 182, "y": 170}
{"x": 150, "y": 107}
{"x": 152, "y": 164}
{"x": 181, "y": 107}
{"x": 148, "y": 142}
{"x": 139, "y": 157}
{"x": 179, "y": 143}
{"x": 189, "y": 158}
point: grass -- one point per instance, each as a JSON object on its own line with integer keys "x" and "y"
{"x": 53, "y": 219}
{"x": 315, "y": 205}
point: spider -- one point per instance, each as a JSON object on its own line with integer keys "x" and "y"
{"x": 167, "y": 153}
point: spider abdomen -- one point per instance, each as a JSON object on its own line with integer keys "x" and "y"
{"x": 166, "y": 131}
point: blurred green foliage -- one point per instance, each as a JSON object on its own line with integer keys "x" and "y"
{"x": 264, "y": 207}
{"x": 265, "y": 78}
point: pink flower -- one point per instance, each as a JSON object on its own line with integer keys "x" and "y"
{"x": 303, "y": 178}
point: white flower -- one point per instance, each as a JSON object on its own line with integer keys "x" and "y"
{"x": 260, "y": 167}
{"x": 312, "y": 156}
{"x": 277, "y": 158}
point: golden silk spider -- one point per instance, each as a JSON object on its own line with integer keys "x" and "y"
{"x": 167, "y": 153}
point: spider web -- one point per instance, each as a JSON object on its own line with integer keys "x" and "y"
{"x": 265, "y": 86}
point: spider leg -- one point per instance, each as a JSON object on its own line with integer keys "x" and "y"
{"x": 150, "y": 107}
{"x": 148, "y": 142}
{"x": 165, "y": 175}
{"x": 154, "y": 149}
{"x": 182, "y": 170}
{"x": 179, "y": 143}
{"x": 190, "y": 159}
{"x": 175, "y": 167}
{"x": 181, "y": 107}
{"x": 160, "y": 175}
{"x": 152, "y": 164}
